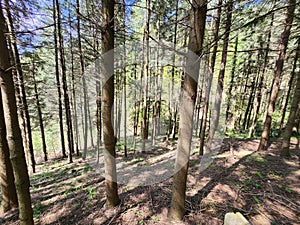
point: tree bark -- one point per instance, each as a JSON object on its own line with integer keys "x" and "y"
{"x": 85, "y": 95}
{"x": 146, "y": 74}
{"x": 8, "y": 189}
{"x": 14, "y": 138}
{"x": 285, "y": 148}
{"x": 290, "y": 84}
{"x": 112, "y": 198}
{"x": 278, "y": 71}
{"x": 64, "y": 82}
{"x": 60, "y": 109}
{"x": 218, "y": 98}
{"x": 209, "y": 81}
{"x": 197, "y": 21}
{"x": 24, "y": 105}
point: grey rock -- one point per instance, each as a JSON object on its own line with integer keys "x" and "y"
{"x": 235, "y": 219}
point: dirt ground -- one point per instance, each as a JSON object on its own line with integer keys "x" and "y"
{"x": 262, "y": 186}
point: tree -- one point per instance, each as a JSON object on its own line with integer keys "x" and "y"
{"x": 60, "y": 109}
{"x": 285, "y": 152}
{"x": 209, "y": 82}
{"x": 284, "y": 39}
{"x": 8, "y": 189}
{"x": 21, "y": 92}
{"x": 218, "y": 99}
{"x": 85, "y": 95}
{"x": 64, "y": 82}
{"x": 197, "y": 23}
{"x": 14, "y": 138}
{"x": 112, "y": 198}
{"x": 40, "y": 115}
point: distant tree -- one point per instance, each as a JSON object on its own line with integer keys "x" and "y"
{"x": 112, "y": 198}
{"x": 284, "y": 39}
{"x": 14, "y": 138}
{"x": 40, "y": 115}
{"x": 197, "y": 23}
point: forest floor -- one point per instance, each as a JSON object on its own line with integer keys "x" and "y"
{"x": 262, "y": 186}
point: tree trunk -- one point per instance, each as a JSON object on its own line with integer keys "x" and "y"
{"x": 146, "y": 74}
{"x": 112, "y": 198}
{"x": 290, "y": 84}
{"x": 285, "y": 148}
{"x": 24, "y": 105}
{"x": 209, "y": 81}
{"x": 218, "y": 98}
{"x": 60, "y": 109}
{"x": 40, "y": 115}
{"x": 73, "y": 96}
{"x": 278, "y": 70}
{"x": 198, "y": 17}
{"x": 64, "y": 82}
{"x": 14, "y": 138}
{"x": 8, "y": 189}
{"x": 261, "y": 83}
{"x": 85, "y": 95}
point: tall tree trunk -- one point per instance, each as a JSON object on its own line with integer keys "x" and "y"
{"x": 232, "y": 77}
{"x": 261, "y": 83}
{"x": 73, "y": 87}
{"x": 24, "y": 105}
{"x": 14, "y": 138}
{"x": 218, "y": 98}
{"x": 290, "y": 84}
{"x": 60, "y": 109}
{"x": 112, "y": 198}
{"x": 198, "y": 17}
{"x": 146, "y": 74}
{"x": 64, "y": 82}
{"x": 285, "y": 148}
{"x": 8, "y": 189}
{"x": 40, "y": 115}
{"x": 125, "y": 78}
{"x": 278, "y": 70}
{"x": 85, "y": 95}
{"x": 209, "y": 81}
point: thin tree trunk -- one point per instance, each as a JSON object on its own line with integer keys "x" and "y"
{"x": 218, "y": 98}
{"x": 13, "y": 132}
{"x": 198, "y": 17}
{"x": 290, "y": 84}
{"x": 125, "y": 83}
{"x": 60, "y": 109}
{"x": 73, "y": 87}
{"x": 8, "y": 189}
{"x": 24, "y": 105}
{"x": 232, "y": 76}
{"x": 112, "y": 198}
{"x": 64, "y": 82}
{"x": 278, "y": 71}
{"x": 40, "y": 115}
{"x": 209, "y": 82}
{"x": 261, "y": 83}
{"x": 146, "y": 74}
{"x": 85, "y": 95}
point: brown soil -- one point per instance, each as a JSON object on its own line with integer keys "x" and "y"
{"x": 262, "y": 186}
